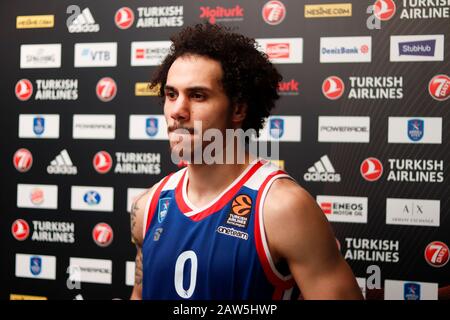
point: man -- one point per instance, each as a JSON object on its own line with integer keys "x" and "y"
{"x": 228, "y": 231}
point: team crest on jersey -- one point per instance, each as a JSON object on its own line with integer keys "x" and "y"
{"x": 241, "y": 208}
{"x": 163, "y": 208}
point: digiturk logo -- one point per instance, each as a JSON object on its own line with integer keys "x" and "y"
{"x": 80, "y": 21}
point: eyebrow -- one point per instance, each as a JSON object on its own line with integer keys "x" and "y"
{"x": 195, "y": 88}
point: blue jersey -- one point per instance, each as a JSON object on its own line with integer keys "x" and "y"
{"x": 216, "y": 252}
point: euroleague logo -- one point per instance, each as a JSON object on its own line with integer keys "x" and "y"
{"x": 102, "y": 234}
{"x": 102, "y": 162}
{"x": 384, "y": 9}
{"x": 23, "y": 160}
{"x": 274, "y": 12}
{"x": 106, "y": 89}
{"x": 439, "y": 87}
{"x": 436, "y": 254}
{"x": 242, "y": 205}
{"x": 23, "y": 89}
{"x": 371, "y": 169}
{"x": 333, "y": 87}
{"x": 124, "y": 18}
{"x": 20, "y": 230}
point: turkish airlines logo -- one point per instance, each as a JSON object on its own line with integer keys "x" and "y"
{"x": 24, "y": 89}
{"x": 23, "y": 160}
{"x": 436, "y": 254}
{"x": 102, "y": 234}
{"x": 274, "y": 12}
{"x": 20, "y": 230}
{"x": 124, "y": 18}
{"x": 384, "y": 9}
{"x": 277, "y": 50}
{"x": 102, "y": 162}
{"x": 106, "y": 89}
{"x": 333, "y": 88}
{"x": 371, "y": 169}
{"x": 439, "y": 87}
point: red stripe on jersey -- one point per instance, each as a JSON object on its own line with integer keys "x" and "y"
{"x": 279, "y": 283}
{"x": 222, "y": 202}
{"x": 154, "y": 202}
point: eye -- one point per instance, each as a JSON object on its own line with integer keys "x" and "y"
{"x": 198, "y": 96}
{"x": 171, "y": 95}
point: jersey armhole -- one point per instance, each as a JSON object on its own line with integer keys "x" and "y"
{"x": 283, "y": 284}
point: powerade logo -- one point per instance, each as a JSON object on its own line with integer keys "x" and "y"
{"x": 424, "y": 48}
{"x": 415, "y": 129}
{"x": 92, "y": 198}
{"x": 411, "y": 291}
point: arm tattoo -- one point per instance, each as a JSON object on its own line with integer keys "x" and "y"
{"x": 138, "y": 270}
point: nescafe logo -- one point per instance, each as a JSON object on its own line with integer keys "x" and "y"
{"x": 124, "y": 18}
{"x": 436, "y": 254}
{"x": 333, "y": 87}
{"x": 384, "y": 9}
{"x": 23, "y": 89}
{"x": 102, "y": 234}
{"x": 102, "y": 162}
{"x": 20, "y": 230}
{"x": 371, "y": 169}
{"x": 23, "y": 160}
{"x": 274, "y": 12}
{"x": 439, "y": 87}
{"x": 106, "y": 89}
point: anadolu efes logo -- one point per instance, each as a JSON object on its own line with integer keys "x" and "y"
{"x": 102, "y": 162}
{"x": 106, "y": 89}
{"x": 102, "y": 234}
{"x": 436, "y": 254}
{"x": 439, "y": 87}
{"x": 274, "y": 12}
{"x": 20, "y": 230}
{"x": 333, "y": 87}
{"x": 371, "y": 169}
{"x": 23, "y": 160}
{"x": 23, "y": 89}
{"x": 384, "y": 9}
{"x": 124, "y": 18}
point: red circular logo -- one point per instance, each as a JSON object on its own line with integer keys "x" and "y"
{"x": 364, "y": 48}
{"x": 106, "y": 89}
{"x": 23, "y": 160}
{"x": 274, "y": 12}
{"x": 333, "y": 87}
{"x": 371, "y": 169}
{"x": 436, "y": 254}
{"x": 439, "y": 87}
{"x": 102, "y": 162}
{"x": 37, "y": 196}
{"x": 20, "y": 229}
{"x": 23, "y": 89}
{"x": 384, "y": 9}
{"x": 102, "y": 234}
{"x": 124, "y": 18}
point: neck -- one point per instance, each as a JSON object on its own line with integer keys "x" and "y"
{"x": 207, "y": 181}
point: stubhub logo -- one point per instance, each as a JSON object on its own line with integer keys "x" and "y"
{"x": 417, "y": 48}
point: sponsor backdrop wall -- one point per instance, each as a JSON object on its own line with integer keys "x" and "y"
{"x": 362, "y": 125}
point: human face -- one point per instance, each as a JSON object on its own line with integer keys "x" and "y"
{"x": 194, "y": 92}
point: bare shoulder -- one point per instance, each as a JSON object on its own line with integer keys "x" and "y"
{"x": 293, "y": 220}
{"x": 137, "y": 214}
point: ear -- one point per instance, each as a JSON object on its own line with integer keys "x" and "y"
{"x": 239, "y": 112}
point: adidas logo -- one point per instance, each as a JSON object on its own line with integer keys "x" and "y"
{"x": 322, "y": 171}
{"x": 84, "y": 22}
{"x": 62, "y": 164}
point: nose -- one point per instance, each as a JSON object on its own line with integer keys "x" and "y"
{"x": 179, "y": 109}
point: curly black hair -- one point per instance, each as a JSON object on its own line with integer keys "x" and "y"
{"x": 248, "y": 75}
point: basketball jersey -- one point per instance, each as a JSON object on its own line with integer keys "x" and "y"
{"x": 217, "y": 252}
